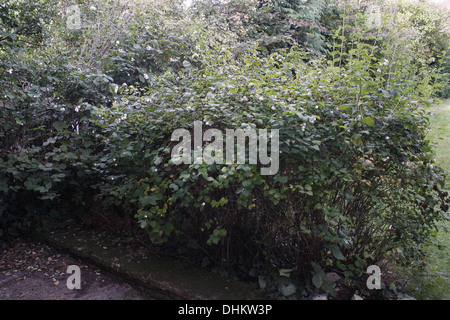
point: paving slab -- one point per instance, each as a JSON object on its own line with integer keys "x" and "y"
{"x": 31, "y": 270}
{"x": 160, "y": 277}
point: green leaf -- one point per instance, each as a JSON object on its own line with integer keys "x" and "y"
{"x": 150, "y": 200}
{"x": 60, "y": 126}
{"x": 365, "y": 91}
{"x": 317, "y": 280}
{"x": 369, "y": 121}
{"x": 288, "y": 290}
{"x": 285, "y": 272}
{"x": 356, "y": 139}
{"x": 386, "y": 94}
{"x": 283, "y": 179}
{"x": 158, "y": 160}
{"x": 143, "y": 224}
{"x": 247, "y": 183}
{"x": 329, "y": 288}
{"x": 337, "y": 253}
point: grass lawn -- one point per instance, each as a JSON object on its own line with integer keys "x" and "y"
{"x": 435, "y": 283}
{"x": 440, "y": 134}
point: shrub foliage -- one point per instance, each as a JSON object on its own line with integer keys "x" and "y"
{"x": 357, "y": 183}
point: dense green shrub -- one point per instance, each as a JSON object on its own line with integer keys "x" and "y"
{"x": 46, "y": 148}
{"x": 22, "y": 23}
{"x": 275, "y": 24}
{"x": 357, "y": 184}
{"x": 42, "y": 154}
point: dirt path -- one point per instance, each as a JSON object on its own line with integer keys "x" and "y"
{"x": 30, "y": 270}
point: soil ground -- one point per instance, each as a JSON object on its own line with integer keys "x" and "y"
{"x": 30, "y": 270}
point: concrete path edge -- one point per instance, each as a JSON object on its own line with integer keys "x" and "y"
{"x": 161, "y": 277}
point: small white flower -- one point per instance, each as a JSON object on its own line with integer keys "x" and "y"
{"x": 10, "y": 71}
{"x": 379, "y": 70}
{"x": 77, "y": 108}
{"x": 62, "y": 109}
{"x": 145, "y": 76}
{"x": 117, "y": 42}
{"x": 92, "y": 8}
{"x": 387, "y": 138}
{"x": 203, "y": 204}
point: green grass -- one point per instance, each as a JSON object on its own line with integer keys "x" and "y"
{"x": 435, "y": 282}
{"x": 440, "y": 134}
